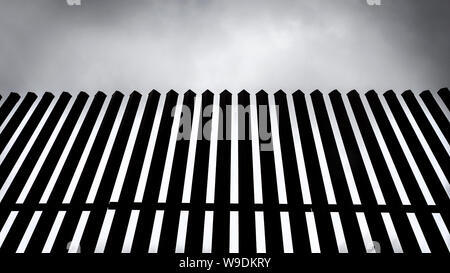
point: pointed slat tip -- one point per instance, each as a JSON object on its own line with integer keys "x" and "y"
{"x": 225, "y": 93}
{"x": 407, "y": 93}
{"x": 316, "y": 93}
{"x": 13, "y": 95}
{"x": 118, "y": 94}
{"x": 49, "y": 94}
{"x": 334, "y": 93}
{"x": 443, "y": 90}
{"x": 135, "y": 93}
{"x": 424, "y": 93}
{"x": 243, "y": 92}
{"x": 280, "y": 93}
{"x": 153, "y": 95}
{"x": 172, "y": 93}
{"x": 154, "y": 91}
{"x": 298, "y": 92}
{"x": 207, "y": 92}
{"x": 261, "y": 93}
{"x": 389, "y": 93}
{"x": 371, "y": 93}
{"x": 31, "y": 94}
{"x": 189, "y": 93}
{"x": 100, "y": 94}
{"x": 66, "y": 94}
{"x": 83, "y": 93}
{"x": 353, "y": 93}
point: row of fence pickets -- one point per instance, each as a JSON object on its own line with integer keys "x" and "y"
{"x": 328, "y": 157}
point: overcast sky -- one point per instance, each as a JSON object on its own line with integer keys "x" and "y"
{"x": 46, "y": 45}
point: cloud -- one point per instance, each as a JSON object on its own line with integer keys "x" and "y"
{"x": 125, "y": 45}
